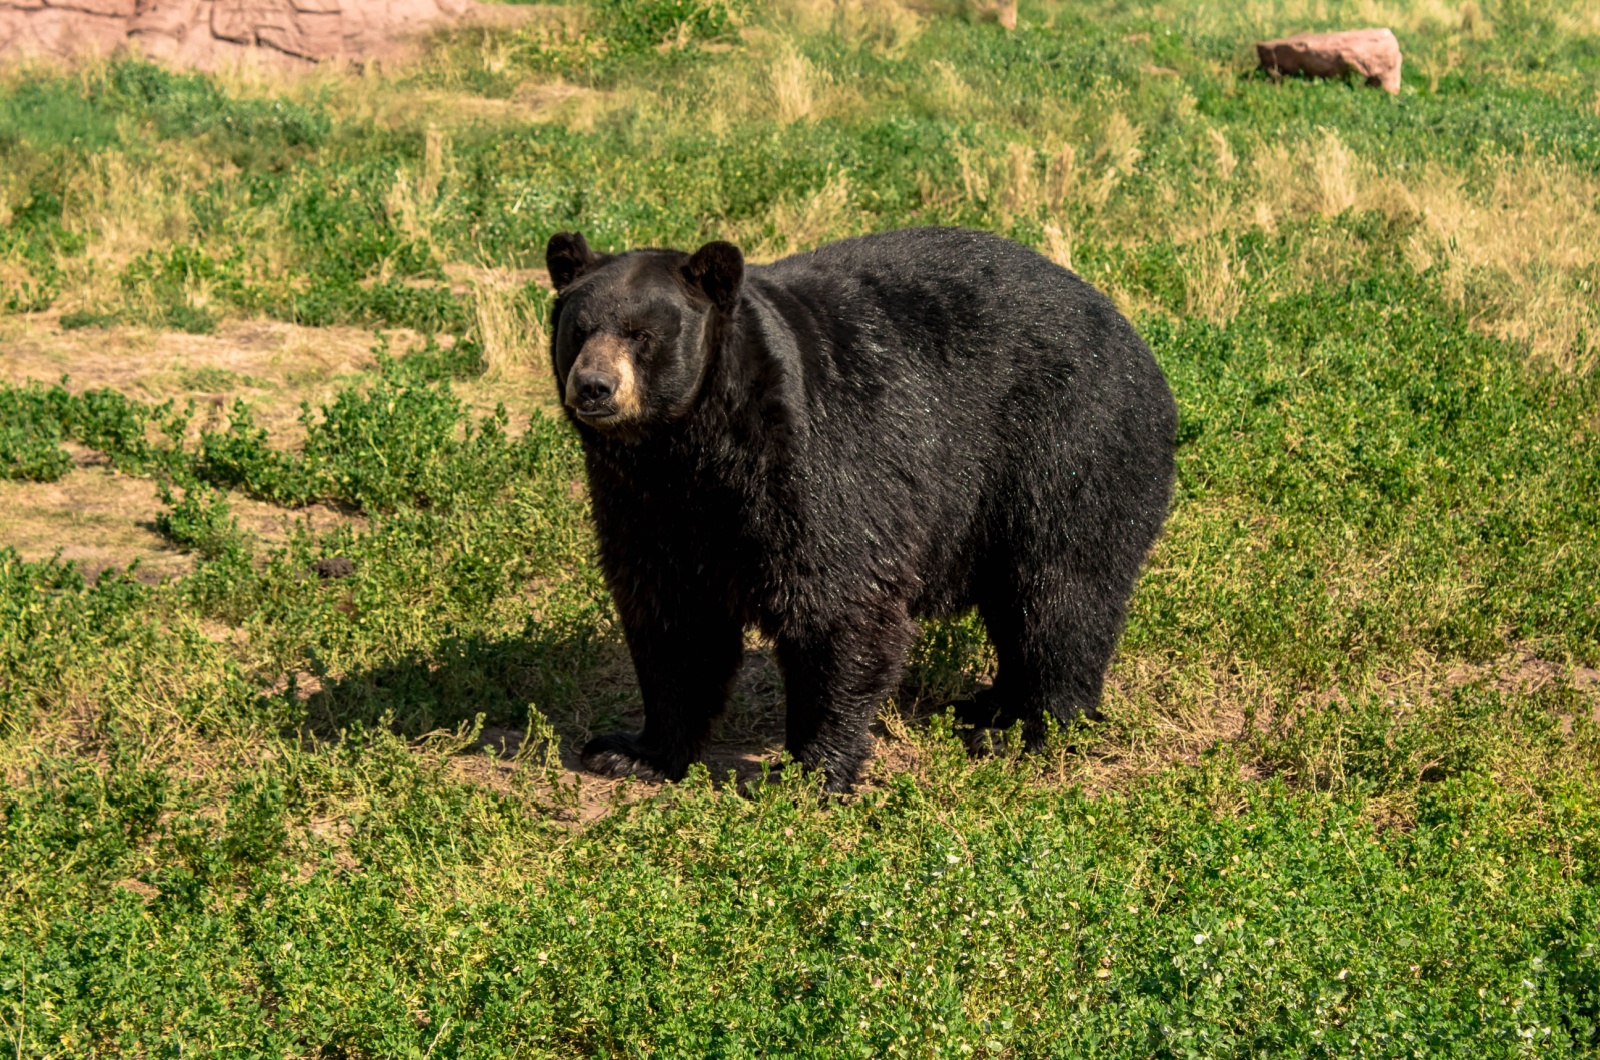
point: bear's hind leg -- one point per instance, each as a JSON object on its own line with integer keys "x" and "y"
{"x": 1054, "y": 634}
{"x": 835, "y": 681}
{"x": 685, "y": 668}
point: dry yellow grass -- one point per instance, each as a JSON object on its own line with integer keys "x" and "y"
{"x": 801, "y": 222}
{"x": 1058, "y": 244}
{"x": 1514, "y": 254}
{"x": 1061, "y": 172}
{"x": 511, "y": 330}
{"x": 1211, "y": 287}
{"x": 1333, "y": 168}
{"x": 1019, "y": 183}
{"x": 1514, "y": 250}
{"x": 1226, "y": 162}
{"x": 1119, "y": 143}
{"x": 794, "y": 85}
{"x": 888, "y": 26}
{"x": 948, "y": 92}
{"x": 412, "y": 203}
{"x": 122, "y": 207}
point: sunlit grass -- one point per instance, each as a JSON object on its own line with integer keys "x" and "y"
{"x": 1344, "y": 795}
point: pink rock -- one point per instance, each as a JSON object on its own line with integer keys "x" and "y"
{"x": 306, "y": 34}
{"x": 170, "y": 17}
{"x": 1372, "y": 53}
{"x": 57, "y": 31}
{"x": 368, "y": 25}
{"x": 285, "y": 34}
{"x": 109, "y": 8}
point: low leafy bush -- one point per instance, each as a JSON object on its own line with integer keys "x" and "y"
{"x": 201, "y": 521}
{"x": 633, "y": 25}
{"x": 191, "y": 104}
{"x": 406, "y": 442}
{"x": 34, "y": 419}
{"x": 30, "y": 436}
{"x": 241, "y": 457}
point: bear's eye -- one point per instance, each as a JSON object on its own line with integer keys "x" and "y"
{"x": 639, "y": 338}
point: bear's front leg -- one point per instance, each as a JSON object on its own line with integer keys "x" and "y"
{"x": 835, "y": 681}
{"x": 685, "y": 664}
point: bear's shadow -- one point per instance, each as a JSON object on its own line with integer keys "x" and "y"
{"x": 582, "y": 685}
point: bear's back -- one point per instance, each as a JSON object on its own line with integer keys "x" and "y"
{"x": 948, "y": 311}
{"x": 955, "y": 292}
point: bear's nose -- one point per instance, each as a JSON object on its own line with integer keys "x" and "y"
{"x": 595, "y": 388}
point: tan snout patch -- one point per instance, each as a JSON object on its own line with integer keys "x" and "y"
{"x": 608, "y": 354}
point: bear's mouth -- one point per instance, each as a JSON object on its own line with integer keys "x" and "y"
{"x": 596, "y": 413}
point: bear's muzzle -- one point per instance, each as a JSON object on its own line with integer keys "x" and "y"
{"x": 601, "y": 387}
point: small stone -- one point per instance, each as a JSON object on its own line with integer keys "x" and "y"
{"x": 1374, "y": 54}
{"x": 334, "y": 568}
{"x": 1001, "y": 11}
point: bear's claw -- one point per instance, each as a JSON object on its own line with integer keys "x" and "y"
{"x": 619, "y": 754}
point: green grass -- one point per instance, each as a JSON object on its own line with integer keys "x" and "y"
{"x": 981, "y": 913}
{"x": 1345, "y": 797}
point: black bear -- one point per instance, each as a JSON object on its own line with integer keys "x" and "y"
{"x": 892, "y": 427}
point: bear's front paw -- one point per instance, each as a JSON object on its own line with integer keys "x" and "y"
{"x": 985, "y": 710}
{"x": 623, "y": 754}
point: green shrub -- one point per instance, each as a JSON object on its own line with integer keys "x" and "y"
{"x": 87, "y": 318}
{"x": 30, "y": 435}
{"x": 241, "y": 457}
{"x": 634, "y": 25}
{"x": 202, "y": 522}
{"x": 192, "y": 104}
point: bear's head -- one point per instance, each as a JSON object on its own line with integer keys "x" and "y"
{"x": 634, "y": 333}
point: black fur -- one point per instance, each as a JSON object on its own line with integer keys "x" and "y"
{"x": 891, "y": 427}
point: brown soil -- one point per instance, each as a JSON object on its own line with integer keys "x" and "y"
{"x": 94, "y": 516}
{"x": 273, "y": 366}
{"x": 103, "y": 519}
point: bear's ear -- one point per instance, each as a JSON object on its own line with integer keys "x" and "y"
{"x": 717, "y": 269}
{"x": 568, "y": 256}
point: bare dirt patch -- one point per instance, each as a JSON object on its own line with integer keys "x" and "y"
{"x": 94, "y": 516}
{"x": 274, "y": 366}
{"x": 1523, "y": 672}
{"x": 157, "y": 364}
{"x": 271, "y": 365}
{"x": 102, "y": 520}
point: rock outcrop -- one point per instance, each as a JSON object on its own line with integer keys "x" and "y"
{"x": 209, "y": 33}
{"x": 1001, "y": 11}
{"x": 1373, "y": 54}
